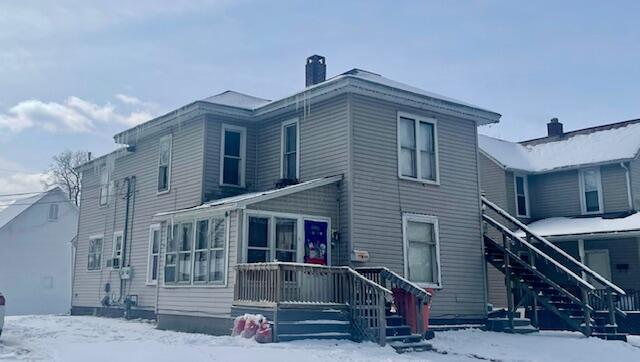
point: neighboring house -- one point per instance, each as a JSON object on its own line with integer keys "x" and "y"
{"x": 36, "y": 245}
{"x": 578, "y": 189}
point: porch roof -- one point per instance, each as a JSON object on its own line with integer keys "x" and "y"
{"x": 586, "y": 227}
{"x": 242, "y": 200}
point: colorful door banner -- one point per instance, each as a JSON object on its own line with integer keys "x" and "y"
{"x": 315, "y": 242}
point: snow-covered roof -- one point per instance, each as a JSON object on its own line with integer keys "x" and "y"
{"x": 19, "y": 205}
{"x": 236, "y": 99}
{"x": 609, "y": 145}
{"x": 566, "y": 226}
{"x": 242, "y": 200}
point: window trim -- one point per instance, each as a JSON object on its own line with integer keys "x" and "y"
{"x": 94, "y": 237}
{"x": 525, "y": 184}
{"x": 193, "y": 284}
{"x": 243, "y": 153}
{"x": 283, "y": 127}
{"x": 57, "y": 214}
{"x": 113, "y": 248}
{"x": 581, "y": 184}
{"x": 169, "y": 166}
{"x": 419, "y": 119}
{"x": 272, "y": 215}
{"x": 427, "y": 219}
{"x": 152, "y": 228}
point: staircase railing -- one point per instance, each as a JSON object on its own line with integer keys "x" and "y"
{"x": 587, "y": 290}
{"x": 279, "y": 283}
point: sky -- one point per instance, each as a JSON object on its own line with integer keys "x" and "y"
{"x": 73, "y": 73}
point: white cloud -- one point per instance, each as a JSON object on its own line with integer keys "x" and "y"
{"x": 73, "y": 115}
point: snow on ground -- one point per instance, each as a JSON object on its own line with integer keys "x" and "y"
{"x": 64, "y": 338}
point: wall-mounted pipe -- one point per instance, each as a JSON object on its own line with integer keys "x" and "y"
{"x": 629, "y": 191}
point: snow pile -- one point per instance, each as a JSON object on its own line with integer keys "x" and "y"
{"x": 614, "y": 144}
{"x": 236, "y": 99}
{"x": 70, "y": 339}
{"x": 557, "y": 226}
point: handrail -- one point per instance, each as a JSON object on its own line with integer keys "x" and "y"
{"x": 555, "y": 248}
{"x": 367, "y": 281}
{"x": 511, "y": 234}
{"x": 416, "y": 290}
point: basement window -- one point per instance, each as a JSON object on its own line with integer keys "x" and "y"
{"x": 417, "y": 149}
{"x": 421, "y": 249}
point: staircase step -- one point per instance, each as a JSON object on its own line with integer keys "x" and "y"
{"x": 611, "y": 336}
{"x": 405, "y": 338}
{"x": 314, "y": 326}
{"x": 394, "y": 320}
{"x": 297, "y": 337}
{"x": 411, "y": 347}
{"x": 401, "y": 330}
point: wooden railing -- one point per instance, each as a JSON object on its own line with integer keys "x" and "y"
{"x": 278, "y": 283}
{"x": 391, "y": 280}
{"x": 630, "y": 302}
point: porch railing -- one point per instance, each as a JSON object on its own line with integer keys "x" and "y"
{"x": 279, "y": 283}
{"x": 628, "y": 303}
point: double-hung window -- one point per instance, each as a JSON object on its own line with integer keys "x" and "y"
{"x": 116, "y": 261}
{"x": 95, "y": 253}
{"x": 421, "y": 249}
{"x": 591, "y": 191}
{"x": 290, "y": 156}
{"x": 233, "y": 150}
{"x": 153, "y": 254}
{"x": 417, "y": 148}
{"x": 104, "y": 185}
{"x": 53, "y": 212}
{"x": 522, "y": 195}
{"x": 272, "y": 238}
{"x": 196, "y": 256}
{"x": 164, "y": 164}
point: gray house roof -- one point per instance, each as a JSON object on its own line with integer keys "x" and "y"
{"x": 579, "y": 149}
{"x": 355, "y": 81}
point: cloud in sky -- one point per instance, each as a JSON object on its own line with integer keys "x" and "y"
{"x": 74, "y": 115}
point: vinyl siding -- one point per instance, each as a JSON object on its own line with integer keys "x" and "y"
{"x": 614, "y": 188}
{"x": 324, "y": 151}
{"x": 634, "y": 170}
{"x": 621, "y": 251}
{"x": 185, "y": 191}
{"x": 380, "y": 198}
{"x": 554, "y": 194}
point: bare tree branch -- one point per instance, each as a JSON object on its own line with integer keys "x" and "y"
{"x": 64, "y": 172}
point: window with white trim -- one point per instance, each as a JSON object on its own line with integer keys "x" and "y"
{"x": 196, "y": 257}
{"x": 104, "y": 185}
{"x": 290, "y": 157}
{"x": 422, "y": 249}
{"x": 272, "y": 238}
{"x": 116, "y": 261}
{"x": 591, "y": 191}
{"x": 417, "y": 148}
{"x": 94, "y": 256}
{"x": 153, "y": 254}
{"x": 233, "y": 150}
{"x": 53, "y": 212}
{"x": 164, "y": 163}
{"x": 521, "y": 185}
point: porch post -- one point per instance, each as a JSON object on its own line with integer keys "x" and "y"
{"x": 534, "y": 295}
{"x": 587, "y": 312}
{"x": 508, "y": 282}
{"x": 613, "y": 326}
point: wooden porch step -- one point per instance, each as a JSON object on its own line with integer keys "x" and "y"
{"x": 394, "y": 320}
{"x": 420, "y": 346}
{"x": 611, "y": 336}
{"x": 401, "y": 330}
{"x": 409, "y": 338}
{"x": 297, "y": 337}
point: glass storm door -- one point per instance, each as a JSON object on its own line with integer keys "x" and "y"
{"x": 316, "y": 242}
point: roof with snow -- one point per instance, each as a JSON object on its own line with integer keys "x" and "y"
{"x": 238, "y": 201}
{"x": 578, "y": 149}
{"x": 236, "y": 99}
{"x": 584, "y": 226}
{"x": 19, "y": 205}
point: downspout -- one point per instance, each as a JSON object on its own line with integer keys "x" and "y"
{"x": 629, "y": 191}
{"x": 125, "y": 233}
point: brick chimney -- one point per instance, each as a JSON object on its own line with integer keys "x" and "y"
{"x": 554, "y": 128}
{"x": 316, "y": 70}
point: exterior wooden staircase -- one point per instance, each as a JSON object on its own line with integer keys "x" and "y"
{"x": 563, "y": 286}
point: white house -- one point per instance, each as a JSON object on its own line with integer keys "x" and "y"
{"x": 36, "y": 237}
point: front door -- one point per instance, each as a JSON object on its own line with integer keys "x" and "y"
{"x": 316, "y": 242}
{"x": 598, "y": 261}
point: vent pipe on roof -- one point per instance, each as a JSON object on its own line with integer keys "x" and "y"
{"x": 554, "y": 128}
{"x": 315, "y": 70}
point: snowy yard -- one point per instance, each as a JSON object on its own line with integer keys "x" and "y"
{"x": 62, "y": 338}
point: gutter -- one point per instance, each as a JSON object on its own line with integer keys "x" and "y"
{"x": 596, "y": 235}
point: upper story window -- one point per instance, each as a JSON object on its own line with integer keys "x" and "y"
{"x": 233, "y": 152}
{"x": 590, "y": 191}
{"x": 53, "y": 212}
{"x": 417, "y": 148}
{"x": 522, "y": 195}
{"x": 104, "y": 185}
{"x": 421, "y": 249}
{"x": 164, "y": 164}
{"x": 290, "y": 158}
